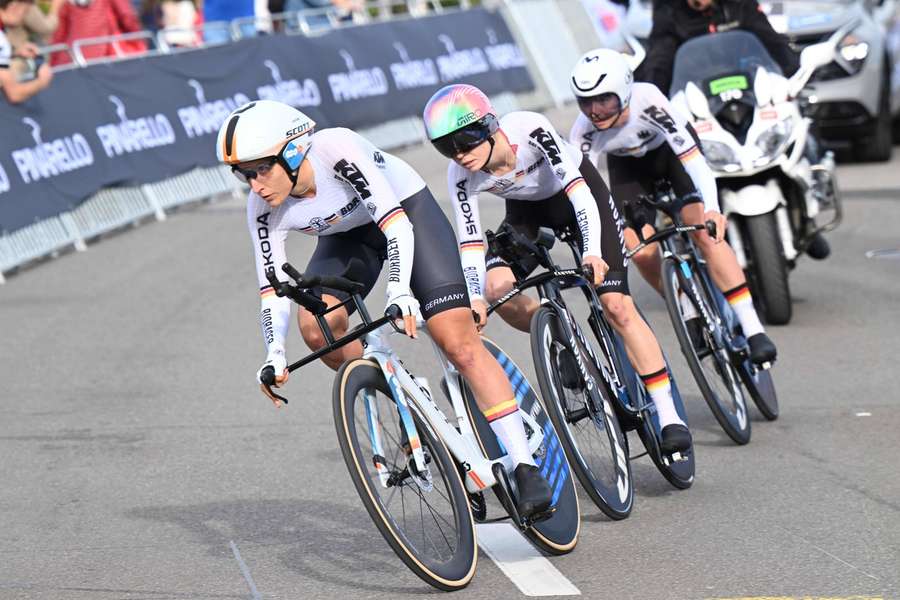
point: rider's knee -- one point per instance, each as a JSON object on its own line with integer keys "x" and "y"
{"x": 646, "y": 257}
{"x": 464, "y": 354}
{"x": 312, "y": 333}
{"x": 618, "y": 309}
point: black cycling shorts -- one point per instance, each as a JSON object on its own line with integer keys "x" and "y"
{"x": 437, "y": 279}
{"x": 631, "y": 177}
{"x": 556, "y": 212}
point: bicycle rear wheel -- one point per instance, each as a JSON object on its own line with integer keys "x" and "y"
{"x": 716, "y": 376}
{"x": 559, "y": 533}
{"x": 425, "y": 519}
{"x": 583, "y": 415}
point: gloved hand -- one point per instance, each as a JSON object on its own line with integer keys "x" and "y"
{"x": 276, "y": 360}
{"x": 409, "y": 308}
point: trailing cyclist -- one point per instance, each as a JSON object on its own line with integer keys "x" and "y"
{"x": 546, "y": 182}
{"x": 363, "y": 205}
{"x": 645, "y": 140}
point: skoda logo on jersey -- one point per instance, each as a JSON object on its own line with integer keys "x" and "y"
{"x": 356, "y": 83}
{"x": 205, "y": 117}
{"x": 55, "y": 157}
{"x": 289, "y": 91}
{"x": 134, "y": 135}
{"x": 459, "y": 64}
{"x": 411, "y": 73}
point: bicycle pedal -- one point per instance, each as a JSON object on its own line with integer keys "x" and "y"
{"x": 537, "y": 518}
{"x": 675, "y": 457}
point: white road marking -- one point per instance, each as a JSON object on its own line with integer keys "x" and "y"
{"x": 245, "y": 571}
{"x": 863, "y": 414}
{"x": 521, "y": 562}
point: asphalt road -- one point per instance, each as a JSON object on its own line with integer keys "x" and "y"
{"x": 139, "y": 461}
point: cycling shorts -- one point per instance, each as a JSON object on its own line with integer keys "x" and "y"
{"x": 556, "y": 212}
{"x": 437, "y": 279}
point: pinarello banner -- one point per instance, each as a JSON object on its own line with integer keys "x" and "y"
{"x": 143, "y": 120}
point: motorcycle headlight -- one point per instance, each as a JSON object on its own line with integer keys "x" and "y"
{"x": 771, "y": 142}
{"x": 719, "y": 156}
{"x": 854, "y": 52}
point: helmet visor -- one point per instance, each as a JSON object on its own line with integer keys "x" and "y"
{"x": 247, "y": 171}
{"x": 600, "y": 108}
{"x": 462, "y": 140}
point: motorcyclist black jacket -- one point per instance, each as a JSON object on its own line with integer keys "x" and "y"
{"x": 674, "y": 22}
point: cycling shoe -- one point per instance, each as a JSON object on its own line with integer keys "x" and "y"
{"x": 675, "y": 438}
{"x": 535, "y": 494}
{"x": 818, "y": 247}
{"x": 762, "y": 350}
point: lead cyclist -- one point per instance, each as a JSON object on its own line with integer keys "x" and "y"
{"x": 546, "y": 182}
{"x": 363, "y": 204}
{"x": 645, "y": 140}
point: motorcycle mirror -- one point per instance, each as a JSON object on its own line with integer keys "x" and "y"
{"x": 638, "y": 53}
{"x": 817, "y": 55}
{"x": 762, "y": 87}
{"x": 696, "y": 101}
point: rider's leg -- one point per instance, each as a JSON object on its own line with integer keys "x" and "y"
{"x": 518, "y": 310}
{"x": 643, "y": 352}
{"x": 339, "y": 322}
{"x": 647, "y": 260}
{"x": 725, "y": 272}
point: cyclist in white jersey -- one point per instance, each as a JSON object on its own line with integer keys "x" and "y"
{"x": 545, "y": 182}
{"x": 364, "y": 206}
{"x": 646, "y": 140}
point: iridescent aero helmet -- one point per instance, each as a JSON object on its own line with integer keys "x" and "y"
{"x": 458, "y": 118}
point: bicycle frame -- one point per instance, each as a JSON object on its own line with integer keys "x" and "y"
{"x": 462, "y": 443}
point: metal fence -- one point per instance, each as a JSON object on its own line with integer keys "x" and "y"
{"x": 538, "y": 25}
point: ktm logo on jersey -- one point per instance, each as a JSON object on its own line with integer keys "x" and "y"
{"x": 352, "y": 175}
{"x": 547, "y": 143}
{"x": 661, "y": 118}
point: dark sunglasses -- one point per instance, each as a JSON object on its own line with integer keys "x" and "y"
{"x": 462, "y": 140}
{"x": 600, "y": 108}
{"x": 263, "y": 168}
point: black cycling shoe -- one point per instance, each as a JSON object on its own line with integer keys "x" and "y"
{"x": 695, "y": 333}
{"x": 569, "y": 374}
{"x": 818, "y": 247}
{"x": 675, "y": 438}
{"x": 535, "y": 494}
{"x": 762, "y": 350}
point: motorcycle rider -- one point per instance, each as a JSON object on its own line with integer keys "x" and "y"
{"x": 677, "y": 21}
{"x": 645, "y": 140}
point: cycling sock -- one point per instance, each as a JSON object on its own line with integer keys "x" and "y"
{"x": 509, "y": 428}
{"x": 660, "y": 389}
{"x": 688, "y": 310}
{"x": 740, "y": 300}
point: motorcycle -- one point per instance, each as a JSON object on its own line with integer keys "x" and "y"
{"x": 778, "y": 192}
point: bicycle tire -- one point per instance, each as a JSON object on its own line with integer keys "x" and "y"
{"x": 559, "y": 534}
{"x": 616, "y": 498}
{"x": 457, "y": 570}
{"x": 734, "y": 421}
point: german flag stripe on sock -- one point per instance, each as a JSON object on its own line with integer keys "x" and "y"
{"x": 475, "y": 245}
{"x": 267, "y": 292}
{"x": 689, "y": 154}
{"x": 501, "y": 410}
{"x": 738, "y": 294}
{"x": 390, "y": 218}
{"x": 574, "y": 184}
{"x": 656, "y": 381}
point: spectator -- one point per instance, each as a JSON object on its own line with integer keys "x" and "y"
{"x": 177, "y": 17}
{"x": 227, "y": 10}
{"x": 79, "y": 19}
{"x": 12, "y": 13}
{"x": 37, "y": 27}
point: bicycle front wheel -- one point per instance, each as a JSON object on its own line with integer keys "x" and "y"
{"x": 711, "y": 364}
{"x": 582, "y": 413}
{"x": 424, "y": 516}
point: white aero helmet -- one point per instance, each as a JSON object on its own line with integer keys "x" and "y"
{"x": 262, "y": 129}
{"x": 602, "y": 71}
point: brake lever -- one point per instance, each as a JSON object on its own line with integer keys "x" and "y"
{"x": 711, "y": 228}
{"x": 268, "y": 380}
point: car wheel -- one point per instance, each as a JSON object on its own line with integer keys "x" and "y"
{"x": 878, "y": 146}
